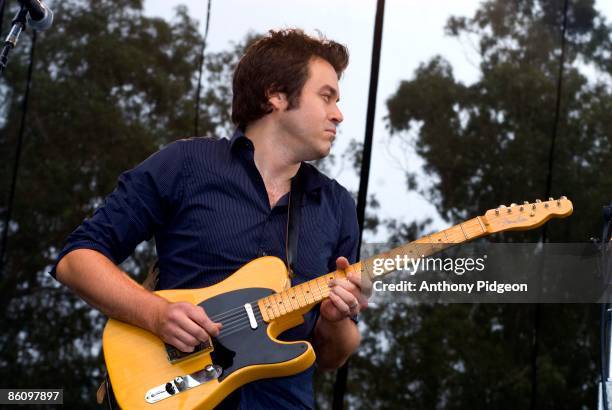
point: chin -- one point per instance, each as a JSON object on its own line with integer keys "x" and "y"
{"x": 323, "y": 152}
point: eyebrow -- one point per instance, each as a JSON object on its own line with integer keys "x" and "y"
{"x": 331, "y": 89}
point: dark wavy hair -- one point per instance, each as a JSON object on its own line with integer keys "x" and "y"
{"x": 278, "y": 62}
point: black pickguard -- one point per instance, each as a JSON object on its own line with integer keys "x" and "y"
{"x": 238, "y": 345}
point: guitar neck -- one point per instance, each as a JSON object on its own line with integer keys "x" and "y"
{"x": 303, "y": 297}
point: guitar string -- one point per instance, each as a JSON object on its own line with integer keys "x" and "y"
{"x": 230, "y": 313}
{"x": 235, "y": 329}
{"x": 243, "y": 323}
{"x": 224, "y": 318}
{"x": 242, "y": 319}
{"x": 223, "y": 315}
{"x": 238, "y": 322}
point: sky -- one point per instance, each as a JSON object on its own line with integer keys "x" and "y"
{"x": 413, "y": 33}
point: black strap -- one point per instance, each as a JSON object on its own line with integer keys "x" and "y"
{"x": 294, "y": 213}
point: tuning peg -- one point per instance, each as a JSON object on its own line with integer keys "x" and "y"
{"x": 551, "y": 198}
{"x": 538, "y": 201}
{"x": 564, "y": 197}
{"x": 512, "y": 204}
{"x": 525, "y": 203}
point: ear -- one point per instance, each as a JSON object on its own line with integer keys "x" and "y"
{"x": 277, "y": 100}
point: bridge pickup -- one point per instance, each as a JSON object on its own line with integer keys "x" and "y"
{"x": 175, "y": 355}
{"x": 182, "y": 383}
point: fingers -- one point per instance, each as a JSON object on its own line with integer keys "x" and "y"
{"x": 342, "y": 263}
{"x": 364, "y": 284}
{"x": 201, "y": 318}
{"x": 340, "y": 304}
{"x": 347, "y": 302}
{"x": 182, "y": 340}
{"x": 185, "y": 326}
{"x": 353, "y": 286}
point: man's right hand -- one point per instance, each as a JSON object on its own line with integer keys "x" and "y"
{"x": 184, "y": 325}
{"x": 103, "y": 285}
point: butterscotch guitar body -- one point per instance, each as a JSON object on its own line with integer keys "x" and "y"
{"x": 138, "y": 362}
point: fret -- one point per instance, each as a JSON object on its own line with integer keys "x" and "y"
{"x": 462, "y": 230}
{"x": 291, "y": 299}
{"x": 294, "y": 298}
{"x": 322, "y": 284}
{"x": 484, "y": 230}
{"x": 279, "y": 303}
{"x": 304, "y": 294}
{"x": 438, "y": 238}
{"x": 266, "y": 314}
{"x": 474, "y": 228}
{"x": 312, "y": 291}
{"x": 301, "y": 297}
{"x": 287, "y": 301}
{"x": 314, "y": 284}
{"x": 274, "y": 309}
{"x": 432, "y": 242}
{"x": 455, "y": 234}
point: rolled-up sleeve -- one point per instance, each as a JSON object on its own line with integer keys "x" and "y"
{"x": 144, "y": 199}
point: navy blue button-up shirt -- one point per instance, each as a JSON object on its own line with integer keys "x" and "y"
{"x": 206, "y": 204}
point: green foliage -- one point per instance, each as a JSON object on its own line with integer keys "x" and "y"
{"x": 110, "y": 87}
{"x": 486, "y": 144}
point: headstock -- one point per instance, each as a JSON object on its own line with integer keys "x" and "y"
{"x": 526, "y": 215}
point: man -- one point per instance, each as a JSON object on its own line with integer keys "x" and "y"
{"x": 213, "y": 205}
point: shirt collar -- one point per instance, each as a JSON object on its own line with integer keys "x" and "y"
{"x": 312, "y": 179}
{"x": 239, "y": 139}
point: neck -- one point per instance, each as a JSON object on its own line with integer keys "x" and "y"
{"x": 303, "y": 297}
{"x": 273, "y": 157}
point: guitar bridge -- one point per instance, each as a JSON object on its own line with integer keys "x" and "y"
{"x": 175, "y": 355}
{"x": 181, "y": 383}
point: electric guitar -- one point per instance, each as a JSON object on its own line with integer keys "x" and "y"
{"x": 255, "y": 305}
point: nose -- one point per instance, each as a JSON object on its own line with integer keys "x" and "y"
{"x": 336, "y": 115}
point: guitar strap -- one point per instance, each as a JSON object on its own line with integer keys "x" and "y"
{"x": 294, "y": 213}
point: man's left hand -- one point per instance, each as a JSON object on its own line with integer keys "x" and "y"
{"x": 347, "y": 297}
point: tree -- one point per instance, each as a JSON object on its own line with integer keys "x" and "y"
{"x": 110, "y": 87}
{"x": 485, "y": 144}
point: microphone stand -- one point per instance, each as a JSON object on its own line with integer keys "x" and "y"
{"x": 604, "y": 399}
{"x": 18, "y": 25}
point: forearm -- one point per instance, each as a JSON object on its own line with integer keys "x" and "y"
{"x": 103, "y": 285}
{"x": 334, "y": 342}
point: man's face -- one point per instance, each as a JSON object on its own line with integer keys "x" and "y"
{"x": 311, "y": 126}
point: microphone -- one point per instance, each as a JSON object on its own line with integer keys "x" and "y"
{"x": 40, "y": 17}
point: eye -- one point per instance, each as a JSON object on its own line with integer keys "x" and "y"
{"x": 326, "y": 97}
